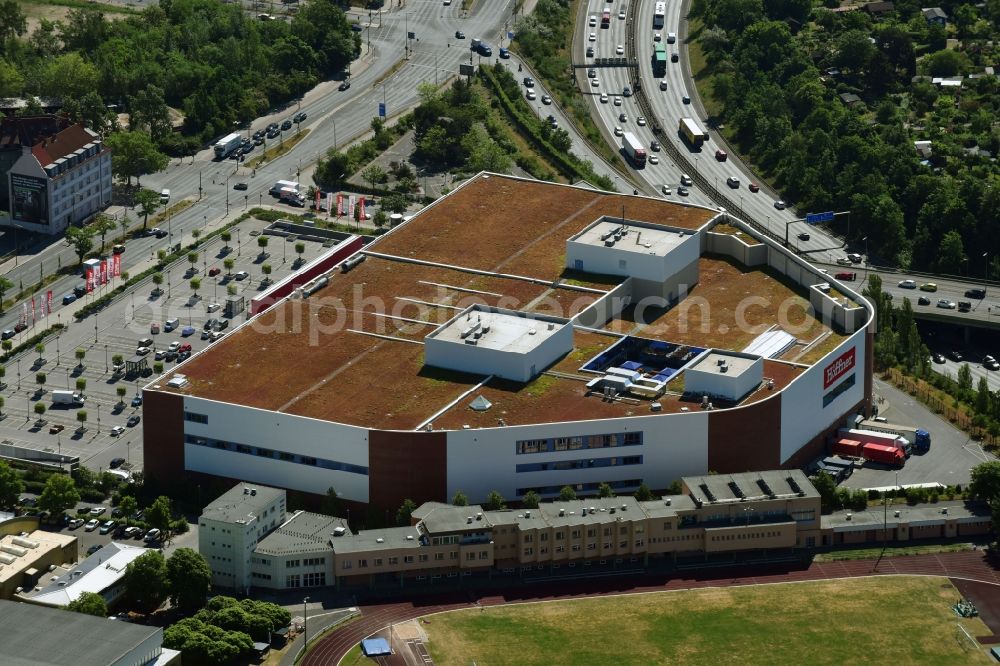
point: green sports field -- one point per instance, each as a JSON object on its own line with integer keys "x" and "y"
{"x": 885, "y": 620}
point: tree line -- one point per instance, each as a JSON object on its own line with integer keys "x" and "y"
{"x": 211, "y": 61}
{"x": 778, "y": 69}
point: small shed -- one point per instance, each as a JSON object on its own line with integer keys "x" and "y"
{"x": 934, "y": 15}
{"x": 876, "y": 9}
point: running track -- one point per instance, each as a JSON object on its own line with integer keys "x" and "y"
{"x": 328, "y": 651}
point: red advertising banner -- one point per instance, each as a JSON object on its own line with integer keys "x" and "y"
{"x": 32, "y": 310}
{"x": 104, "y": 271}
{"x": 361, "y": 205}
{"x": 840, "y": 367}
{"x": 340, "y": 205}
{"x": 116, "y": 265}
{"x": 48, "y": 302}
{"x": 318, "y": 195}
{"x": 90, "y": 280}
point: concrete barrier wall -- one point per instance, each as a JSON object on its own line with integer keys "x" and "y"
{"x": 606, "y": 307}
{"x": 732, "y": 246}
{"x": 322, "y": 264}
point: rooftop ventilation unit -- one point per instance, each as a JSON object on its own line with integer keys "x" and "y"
{"x": 409, "y": 537}
{"x": 379, "y": 540}
{"x": 339, "y": 531}
{"x": 668, "y": 501}
{"x": 896, "y": 514}
{"x": 562, "y": 512}
{"x": 655, "y": 407}
{"x": 479, "y": 516}
{"x": 624, "y": 507}
{"x": 527, "y": 514}
{"x": 468, "y": 520}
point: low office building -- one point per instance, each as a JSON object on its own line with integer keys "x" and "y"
{"x": 230, "y": 528}
{"x": 102, "y": 573}
{"x": 33, "y": 635}
{"x": 55, "y": 173}
{"x": 297, "y": 554}
{"x": 26, "y": 557}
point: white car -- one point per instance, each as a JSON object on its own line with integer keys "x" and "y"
{"x": 907, "y": 284}
{"x": 593, "y": 37}
{"x": 685, "y": 179}
{"x": 657, "y": 37}
{"x": 91, "y": 525}
{"x": 620, "y": 50}
{"x": 641, "y": 120}
{"x": 671, "y": 37}
{"x": 779, "y": 204}
{"x": 666, "y": 190}
{"x": 595, "y": 83}
{"x": 621, "y": 14}
{"x": 618, "y": 101}
{"x": 653, "y": 159}
{"x": 530, "y": 94}
{"x": 663, "y": 84}
{"x": 212, "y": 307}
{"x": 618, "y": 131}
{"x": 142, "y": 351}
{"x": 117, "y": 430}
{"x": 604, "y": 98}
{"x": 174, "y": 346}
{"x": 546, "y": 99}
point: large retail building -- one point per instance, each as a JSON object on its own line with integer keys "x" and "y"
{"x": 518, "y": 335}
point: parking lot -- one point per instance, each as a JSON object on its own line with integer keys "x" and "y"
{"x": 116, "y": 330}
{"x": 951, "y": 457}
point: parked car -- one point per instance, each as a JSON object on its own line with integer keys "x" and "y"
{"x": 137, "y": 401}
{"x": 240, "y": 186}
{"x": 116, "y": 463}
{"x": 212, "y": 272}
{"x": 721, "y": 155}
{"x": 132, "y": 422}
{"x": 132, "y": 532}
{"x": 923, "y": 300}
{"x": 171, "y": 324}
{"x": 93, "y": 549}
{"x": 56, "y": 428}
{"x": 75, "y": 523}
{"x": 68, "y": 298}
{"x": 945, "y": 304}
{"x": 98, "y": 510}
{"x": 928, "y": 286}
{"x": 152, "y": 535}
{"x": 117, "y": 430}
{"x": 241, "y": 275}
{"x": 92, "y": 525}
{"x": 108, "y": 526}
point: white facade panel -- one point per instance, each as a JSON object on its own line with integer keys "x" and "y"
{"x": 803, "y": 414}
{"x": 282, "y": 433}
{"x": 482, "y": 460}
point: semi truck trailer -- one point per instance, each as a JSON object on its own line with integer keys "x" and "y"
{"x": 918, "y": 437}
{"x": 873, "y": 437}
{"x": 634, "y": 150}
{"x": 887, "y": 455}
{"x": 226, "y": 145}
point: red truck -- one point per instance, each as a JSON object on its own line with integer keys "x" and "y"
{"x": 872, "y": 437}
{"x": 846, "y": 447}
{"x": 887, "y": 455}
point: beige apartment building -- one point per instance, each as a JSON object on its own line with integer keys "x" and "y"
{"x": 714, "y": 517}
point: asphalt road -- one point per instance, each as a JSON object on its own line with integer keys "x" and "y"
{"x": 118, "y": 328}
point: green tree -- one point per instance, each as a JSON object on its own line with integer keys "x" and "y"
{"x": 262, "y": 243}
{"x": 80, "y": 354}
{"x": 89, "y": 603}
{"x": 827, "y": 489}
{"x": 68, "y": 74}
{"x": 159, "y": 513}
{"x": 332, "y": 170}
{"x": 59, "y": 494}
{"x": 374, "y": 174}
{"x": 229, "y": 263}
{"x": 11, "y": 486}
{"x": 40, "y": 409}
{"x": 643, "y": 494}
{"x": 947, "y": 62}
{"x": 331, "y": 504}
{"x": 985, "y": 485}
{"x": 380, "y": 219}
{"x": 148, "y": 112}
{"x": 604, "y": 490}
{"x": 404, "y": 512}
{"x": 395, "y": 203}
{"x": 983, "y": 396}
{"x": 13, "y": 22}
{"x": 81, "y": 240}
{"x": 567, "y": 494}
{"x": 531, "y": 500}
{"x": 266, "y": 270}
{"x": 495, "y": 501}
{"x": 129, "y": 505}
{"x": 459, "y": 499}
{"x": 146, "y": 580}
{"x": 81, "y": 384}
{"x": 81, "y": 417}
{"x": 964, "y": 378}
{"x": 134, "y": 155}
{"x": 854, "y": 49}
{"x": 101, "y": 225}
{"x": 148, "y": 201}
{"x": 195, "y": 286}
{"x": 189, "y": 579}
{"x": 157, "y": 281}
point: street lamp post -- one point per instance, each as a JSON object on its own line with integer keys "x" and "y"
{"x": 867, "y": 263}
{"x": 305, "y": 623}
{"x": 986, "y": 270}
{"x": 105, "y": 357}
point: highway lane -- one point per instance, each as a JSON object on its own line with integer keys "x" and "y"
{"x": 334, "y": 118}
{"x": 668, "y": 107}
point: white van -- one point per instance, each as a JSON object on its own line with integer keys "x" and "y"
{"x": 593, "y": 20}
{"x": 164, "y": 195}
{"x": 671, "y": 37}
{"x": 171, "y": 324}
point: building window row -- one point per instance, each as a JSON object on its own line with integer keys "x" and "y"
{"x": 291, "y": 564}
{"x": 548, "y": 445}
{"x": 314, "y": 579}
{"x": 276, "y": 455}
{"x": 293, "y": 580}
{"x": 746, "y": 535}
{"x": 625, "y": 484}
{"x": 313, "y": 561}
{"x": 260, "y": 576}
{"x": 194, "y": 417}
{"x": 580, "y": 463}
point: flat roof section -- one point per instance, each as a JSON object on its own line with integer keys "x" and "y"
{"x": 631, "y": 237}
{"x": 735, "y": 365}
{"x": 500, "y": 330}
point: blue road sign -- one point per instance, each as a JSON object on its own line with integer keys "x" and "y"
{"x": 510, "y": 34}
{"x": 816, "y": 218}
{"x": 381, "y": 109}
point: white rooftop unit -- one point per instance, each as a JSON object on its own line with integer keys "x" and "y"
{"x": 616, "y": 246}
{"x": 728, "y": 375}
{"x": 493, "y": 341}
